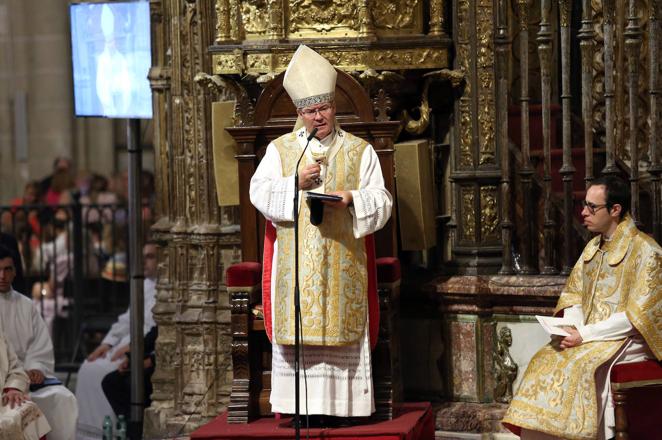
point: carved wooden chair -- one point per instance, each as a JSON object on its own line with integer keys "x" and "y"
{"x": 251, "y": 351}
{"x": 637, "y": 394}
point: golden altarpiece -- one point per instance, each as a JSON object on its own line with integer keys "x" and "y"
{"x": 494, "y": 115}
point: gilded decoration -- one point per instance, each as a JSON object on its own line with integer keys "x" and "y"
{"x": 397, "y": 14}
{"x": 436, "y": 18}
{"x": 223, "y": 27}
{"x": 489, "y": 222}
{"x": 254, "y": 18}
{"x": 468, "y": 214}
{"x": 463, "y": 49}
{"x": 226, "y": 89}
{"x": 418, "y": 126}
{"x": 564, "y": 12}
{"x": 275, "y": 25}
{"x": 314, "y": 18}
{"x": 558, "y": 392}
{"x": 366, "y": 25}
{"x": 231, "y": 63}
{"x": 235, "y": 20}
{"x": 486, "y": 105}
{"x": 238, "y": 62}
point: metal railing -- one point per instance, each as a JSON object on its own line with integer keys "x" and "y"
{"x": 75, "y": 264}
{"x": 618, "y": 83}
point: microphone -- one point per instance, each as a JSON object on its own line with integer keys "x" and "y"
{"x": 312, "y": 134}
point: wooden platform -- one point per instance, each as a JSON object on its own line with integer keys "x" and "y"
{"x": 414, "y": 422}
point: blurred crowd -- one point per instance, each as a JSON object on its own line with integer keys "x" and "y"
{"x": 42, "y": 223}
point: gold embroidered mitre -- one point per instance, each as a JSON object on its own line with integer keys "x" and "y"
{"x": 309, "y": 79}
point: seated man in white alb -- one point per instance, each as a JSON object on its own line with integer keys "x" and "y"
{"x": 19, "y": 418}
{"x": 92, "y": 402}
{"x": 26, "y": 332}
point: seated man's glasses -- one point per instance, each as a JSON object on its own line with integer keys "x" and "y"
{"x": 310, "y": 113}
{"x": 592, "y": 207}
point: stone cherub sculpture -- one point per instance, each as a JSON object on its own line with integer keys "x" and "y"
{"x": 505, "y": 368}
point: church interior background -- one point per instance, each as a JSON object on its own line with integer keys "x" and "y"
{"x": 505, "y": 110}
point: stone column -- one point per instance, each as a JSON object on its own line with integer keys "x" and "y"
{"x": 193, "y": 375}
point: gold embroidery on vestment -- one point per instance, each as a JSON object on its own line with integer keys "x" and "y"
{"x": 558, "y": 393}
{"x": 332, "y": 263}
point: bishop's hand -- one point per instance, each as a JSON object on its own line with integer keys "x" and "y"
{"x": 308, "y": 176}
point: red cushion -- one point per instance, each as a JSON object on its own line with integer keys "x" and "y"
{"x": 246, "y": 274}
{"x": 388, "y": 270}
{"x": 636, "y": 371}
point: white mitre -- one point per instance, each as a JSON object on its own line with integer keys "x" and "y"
{"x": 309, "y": 79}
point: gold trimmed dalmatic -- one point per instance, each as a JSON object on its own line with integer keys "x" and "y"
{"x": 333, "y": 279}
{"x": 558, "y": 393}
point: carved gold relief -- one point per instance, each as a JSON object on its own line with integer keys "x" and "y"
{"x": 485, "y": 64}
{"x": 468, "y": 215}
{"x": 463, "y": 48}
{"x": 223, "y": 27}
{"x": 414, "y": 58}
{"x": 235, "y": 20}
{"x": 230, "y": 63}
{"x": 322, "y": 17}
{"x": 254, "y": 17}
{"x": 395, "y": 14}
{"x": 275, "y": 26}
{"x": 489, "y": 222}
{"x": 366, "y": 25}
{"x": 348, "y": 60}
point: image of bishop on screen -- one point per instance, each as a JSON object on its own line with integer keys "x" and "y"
{"x": 111, "y": 59}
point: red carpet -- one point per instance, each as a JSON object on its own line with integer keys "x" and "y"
{"x": 416, "y": 421}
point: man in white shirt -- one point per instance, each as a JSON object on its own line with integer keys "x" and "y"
{"x": 93, "y": 405}
{"x": 28, "y": 335}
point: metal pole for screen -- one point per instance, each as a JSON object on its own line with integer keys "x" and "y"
{"x": 137, "y": 278}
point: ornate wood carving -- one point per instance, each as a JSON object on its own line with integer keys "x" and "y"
{"x": 240, "y": 408}
{"x": 345, "y": 58}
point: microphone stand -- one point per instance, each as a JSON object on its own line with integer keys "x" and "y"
{"x": 297, "y": 303}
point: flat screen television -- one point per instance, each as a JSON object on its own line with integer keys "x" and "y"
{"x": 111, "y": 55}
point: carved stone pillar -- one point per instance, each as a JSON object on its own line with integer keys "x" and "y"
{"x": 476, "y": 168}
{"x": 193, "y": 376}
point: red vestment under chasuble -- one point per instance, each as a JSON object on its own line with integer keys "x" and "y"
{"x": 616, "y": 286}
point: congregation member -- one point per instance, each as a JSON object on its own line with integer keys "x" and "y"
{"x": 117, "y": 384}
{"x": 333, "y": 261}
{"x": 109, "y": 355}
{"x": 613, "y": 299}
{"x": 26, "y": 332}
{"x": 19, "y": 417}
